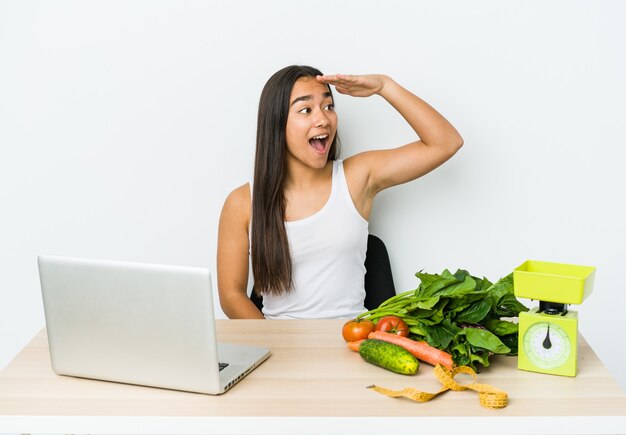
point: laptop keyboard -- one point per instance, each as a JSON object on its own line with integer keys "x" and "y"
{"x": 222, "y": 365}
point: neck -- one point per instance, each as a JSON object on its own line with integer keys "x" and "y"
{"x": 302, "y": 177}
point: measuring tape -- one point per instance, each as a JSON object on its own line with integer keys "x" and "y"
{"x": 489, "y": 397}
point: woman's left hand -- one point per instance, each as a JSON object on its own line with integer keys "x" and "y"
{"x": 355, "y": 85}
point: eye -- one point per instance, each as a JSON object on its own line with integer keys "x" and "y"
{"x": 304, "y": 110}
{"x": 330, "y": 106}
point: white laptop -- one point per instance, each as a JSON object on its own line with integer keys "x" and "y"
{"x": 137, "y": 323}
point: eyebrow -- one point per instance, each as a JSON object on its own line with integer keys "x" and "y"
{"x": 309, "y": 97}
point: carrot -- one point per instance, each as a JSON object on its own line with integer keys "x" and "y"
{"x": 354, "y": 345}
{"x": 419, "y": 349}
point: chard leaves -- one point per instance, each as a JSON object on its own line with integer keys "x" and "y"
{"x": 484, "y": 339}
{"x": 459, "y": 313}
{"x": 476, "y": 312}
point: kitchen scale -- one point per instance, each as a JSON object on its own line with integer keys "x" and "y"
{"x": 548, "y": 334}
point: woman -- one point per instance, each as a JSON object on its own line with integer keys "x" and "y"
{"x": 304, "y": 219}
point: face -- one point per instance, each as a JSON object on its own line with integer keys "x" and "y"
{"x": 311, "y": 123}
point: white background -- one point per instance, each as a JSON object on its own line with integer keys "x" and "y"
{"x": 124, "y": 125}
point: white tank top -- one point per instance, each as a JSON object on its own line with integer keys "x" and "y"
{"x": 328, "y": 260}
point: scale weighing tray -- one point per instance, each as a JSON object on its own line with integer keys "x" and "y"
{"x": 553, "y": 282}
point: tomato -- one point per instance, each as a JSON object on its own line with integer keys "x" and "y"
{"x": 393, "y": 325}
{"x": 355, "y": 329}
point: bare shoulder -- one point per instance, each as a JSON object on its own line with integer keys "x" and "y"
{"x": 358, "y": 172}
{"x": 358, "y": 164}
{"x": 358, "y": 169}
{"x": 240, "y": 195}
{"x": 237, "y": 205}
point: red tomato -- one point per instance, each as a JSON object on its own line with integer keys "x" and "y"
{"x": 393, "y": 325}
{"x": 354, "y": 330}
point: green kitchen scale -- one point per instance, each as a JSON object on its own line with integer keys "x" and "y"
{"x": 548, "y": 334}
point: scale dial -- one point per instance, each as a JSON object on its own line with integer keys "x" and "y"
{"x": 547, "y": 345}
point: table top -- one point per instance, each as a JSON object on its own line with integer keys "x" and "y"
{"x": 311, "y": 375}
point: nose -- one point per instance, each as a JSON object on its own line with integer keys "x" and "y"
{"x": 322, "y": 120}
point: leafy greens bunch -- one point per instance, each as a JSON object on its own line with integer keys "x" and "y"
{"x": 460, "y": 314}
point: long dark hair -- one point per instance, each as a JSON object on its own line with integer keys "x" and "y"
{"x": 271, "y": 260}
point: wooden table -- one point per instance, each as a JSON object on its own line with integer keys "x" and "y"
{"x": 311, "y": 384}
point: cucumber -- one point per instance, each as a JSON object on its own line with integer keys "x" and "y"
{"x": 388, "y": 356}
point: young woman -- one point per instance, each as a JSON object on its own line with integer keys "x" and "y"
{"x": 303, "y": 220}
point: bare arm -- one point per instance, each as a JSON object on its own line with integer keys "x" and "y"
{"x": 378, "y": 170}
{"x": 232, "y": 257}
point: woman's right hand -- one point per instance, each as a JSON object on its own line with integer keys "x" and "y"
{"x": 355, "y": 85}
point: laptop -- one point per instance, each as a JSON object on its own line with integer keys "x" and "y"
{"x": 136, "y": 323}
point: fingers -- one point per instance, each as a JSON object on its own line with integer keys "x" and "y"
{"x": 344, "y": 84}
{"x": 337, "y": 79}
{"x": 355, "y": 85}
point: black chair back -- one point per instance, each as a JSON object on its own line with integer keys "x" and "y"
{"x": 379, "y": 284}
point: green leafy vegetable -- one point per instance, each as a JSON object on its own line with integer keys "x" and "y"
{"x": 459, "y": 313}
{"x": 476, "y": 312}
{"x": 483, "y": 339}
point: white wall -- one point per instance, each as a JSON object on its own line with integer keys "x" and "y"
{"x": 124, "y": 125}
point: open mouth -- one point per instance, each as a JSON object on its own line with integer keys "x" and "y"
{"x": 319, "y": 142}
